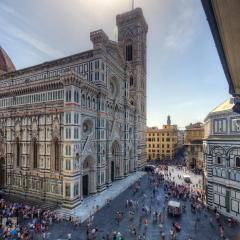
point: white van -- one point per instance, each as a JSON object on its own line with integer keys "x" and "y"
{"x": 174, "y": 208}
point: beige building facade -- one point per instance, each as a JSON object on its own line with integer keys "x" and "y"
{"x": 193, "y": 141}
{"x": 72, "y": 126}
{"x": 162, "y": 143}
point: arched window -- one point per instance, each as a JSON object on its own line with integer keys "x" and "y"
{"x": 18, "y": 152}
{"x": 131, "y": 81}
{"x": 56, "y": 155}
{"x": 238, "y": 162}
{"x": 35, "y": 153}
{"x": 129, "y": 52}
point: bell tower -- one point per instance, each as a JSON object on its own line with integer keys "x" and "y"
{"x": 132, "y": 40}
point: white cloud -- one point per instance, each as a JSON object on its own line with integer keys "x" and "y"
{"x": 12, "y": 31}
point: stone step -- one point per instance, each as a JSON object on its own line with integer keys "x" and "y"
{"x": 31, "y": 202}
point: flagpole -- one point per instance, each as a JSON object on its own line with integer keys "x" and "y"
{"x": 132, "y": 4}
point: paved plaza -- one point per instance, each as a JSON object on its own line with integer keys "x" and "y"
{"x": 105, "y": 221}
{"x": 91, "y": 204}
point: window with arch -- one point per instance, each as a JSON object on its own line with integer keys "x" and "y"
{"x": 237, "y": 162}
{"x": 18, "y": 151}
{"x": 129, "y": 52}
{"x": 131, "y": 81}
{"x": 35, "y": 153}
{"x": 56, "y": 155}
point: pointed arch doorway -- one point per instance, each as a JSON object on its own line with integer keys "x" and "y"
{"x": 88, "y": 176}
{"x": 116, "y": 167}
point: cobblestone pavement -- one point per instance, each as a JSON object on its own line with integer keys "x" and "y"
{"x": 105, "y": 222}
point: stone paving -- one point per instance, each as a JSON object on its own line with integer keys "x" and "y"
{"x": 89, "y": 205}
{"x": 105, "y": 222}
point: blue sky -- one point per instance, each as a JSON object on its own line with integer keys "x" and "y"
{"x": 184, "y": 74}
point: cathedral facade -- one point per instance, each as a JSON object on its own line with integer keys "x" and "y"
{"x": 72, "y": 126}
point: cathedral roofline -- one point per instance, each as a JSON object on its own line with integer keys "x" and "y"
{"x": 51, "y": 63}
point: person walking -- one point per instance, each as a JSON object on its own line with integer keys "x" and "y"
{"x": 69, "y": 236}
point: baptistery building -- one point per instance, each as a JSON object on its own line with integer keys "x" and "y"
{"x": 71, "y": 126}
{"x": 222, "y": 159}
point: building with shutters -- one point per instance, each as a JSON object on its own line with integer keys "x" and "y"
{"x": 193, "y": 142}
{"x": 162, "y": 143}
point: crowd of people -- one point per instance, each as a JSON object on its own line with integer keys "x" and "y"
{"x": 143, "y": 209}
{"x": 21, "y": 221}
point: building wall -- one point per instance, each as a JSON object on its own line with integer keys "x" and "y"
{"x": 67, "y": 127}
{"x": 162, "y": 143}
{"x": 222, "y": 159}
{"x": 193, "y": 141}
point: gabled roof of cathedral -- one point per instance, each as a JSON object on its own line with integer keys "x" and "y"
{"x": 6, "y": 64}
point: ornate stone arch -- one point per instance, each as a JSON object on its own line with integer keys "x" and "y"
{"x": 114, "y": 87}
{"x": 89, "y": 174}
{"x": 232, "y": 154}
{"x": 131, "y": 160}
{"x": 217, "y": 150}
{"x": 116, "y": 161}
{"x": 35, "y": 151}
{"x": 218, "y": 154}
{"x": 55, "y": 156}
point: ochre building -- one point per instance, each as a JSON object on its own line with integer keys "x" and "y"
{"x": 193, "y": 141}
{"x": 162, "y": 143}
{"x": 72, "y": 126}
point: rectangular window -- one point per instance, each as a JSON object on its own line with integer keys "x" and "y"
{"x": 68, "y": 118}
{"x": 129, "y": 53}
{"x": 68, "y": 150}
{"x": 68, "y": 164}
{"x": 76, "y": 189}
{"x": 76, "y": 131}
{"x": 97, "y": 64}
{"x": 76, "y": 118}
{"x": 68, "y": 133}
{"x": 96, "y": 76}
{"x": 67, "y": 189}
